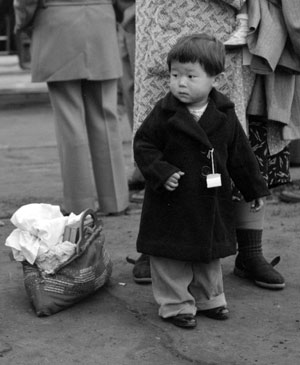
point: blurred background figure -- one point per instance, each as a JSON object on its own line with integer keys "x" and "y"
{"x": 75, "y": 50}
{"x": 11, "y": 43}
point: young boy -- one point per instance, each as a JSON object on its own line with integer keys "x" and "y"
{"x": 189, "y": 149}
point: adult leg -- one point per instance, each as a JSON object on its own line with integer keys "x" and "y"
{"x": 250, "y": 262}
{"x": 74, "y": 154}
{"x": 127, "y": 50}
{"x": 100, "y": 99}
{"x": 141, "y": 271}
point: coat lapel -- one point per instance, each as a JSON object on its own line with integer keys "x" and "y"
{"x": 183, "y": 121}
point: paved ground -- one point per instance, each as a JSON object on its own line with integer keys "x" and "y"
{"x": 119, "y": 324}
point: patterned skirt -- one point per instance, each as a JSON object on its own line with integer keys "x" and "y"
{"x": 274, "y": 168}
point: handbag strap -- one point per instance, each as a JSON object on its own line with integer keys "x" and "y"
{"x": 93, "y": 230}
{"x": 90, "y": 229}
{"x": 85, "y": 242}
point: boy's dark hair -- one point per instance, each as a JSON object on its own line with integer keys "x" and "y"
{"x": 202, "y": 48}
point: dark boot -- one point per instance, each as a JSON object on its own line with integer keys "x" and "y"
{"x": 250, "y": 262}
{"x": 141, "y": 271}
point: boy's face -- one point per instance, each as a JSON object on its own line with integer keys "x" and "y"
{"x": 190, "y": 83}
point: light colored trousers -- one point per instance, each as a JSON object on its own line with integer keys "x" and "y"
{"x": 87, "y": 132}
{"x": 181, "y": 287}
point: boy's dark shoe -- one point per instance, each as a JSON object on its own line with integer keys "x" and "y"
{"x": 220, "y": 313}
{"x": 259, "y": 270}
{"x": 183, "y": 320}
{"x": 141, "y": 271}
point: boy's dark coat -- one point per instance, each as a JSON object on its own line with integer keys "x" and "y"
{"x": 193, "y": 223}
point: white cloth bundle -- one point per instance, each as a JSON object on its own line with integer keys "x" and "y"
{"x": 38, "y": 237}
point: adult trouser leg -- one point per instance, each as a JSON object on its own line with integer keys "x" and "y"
{"x": 74, "y": 154}
{"x": 181, "y": 287}
{"x": 100, "y": 99}
{"x": 127, "y": 50}
{"x": 250, "y": 262}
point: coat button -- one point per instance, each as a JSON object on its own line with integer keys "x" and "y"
{"x": 206, "y": 170}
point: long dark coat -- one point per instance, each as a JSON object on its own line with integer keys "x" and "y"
{"x": 193, "y": 223}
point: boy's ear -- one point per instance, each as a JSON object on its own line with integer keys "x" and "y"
{"x": 218, "y": 79}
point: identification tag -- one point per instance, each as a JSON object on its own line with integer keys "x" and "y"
{"x": 213, "y": 180}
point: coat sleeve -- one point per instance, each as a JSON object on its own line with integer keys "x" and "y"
{"x": 148, "y": 149}
{"x": 24, "y": 14}
{"x": 291, "y": 13}
{"x": 243, "y": 166}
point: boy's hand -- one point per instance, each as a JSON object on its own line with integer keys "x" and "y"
{"x": 257, "y": 204}
{"x": 173, "y": 181}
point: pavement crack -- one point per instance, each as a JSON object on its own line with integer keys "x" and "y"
{"x": 166, "y": 341}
